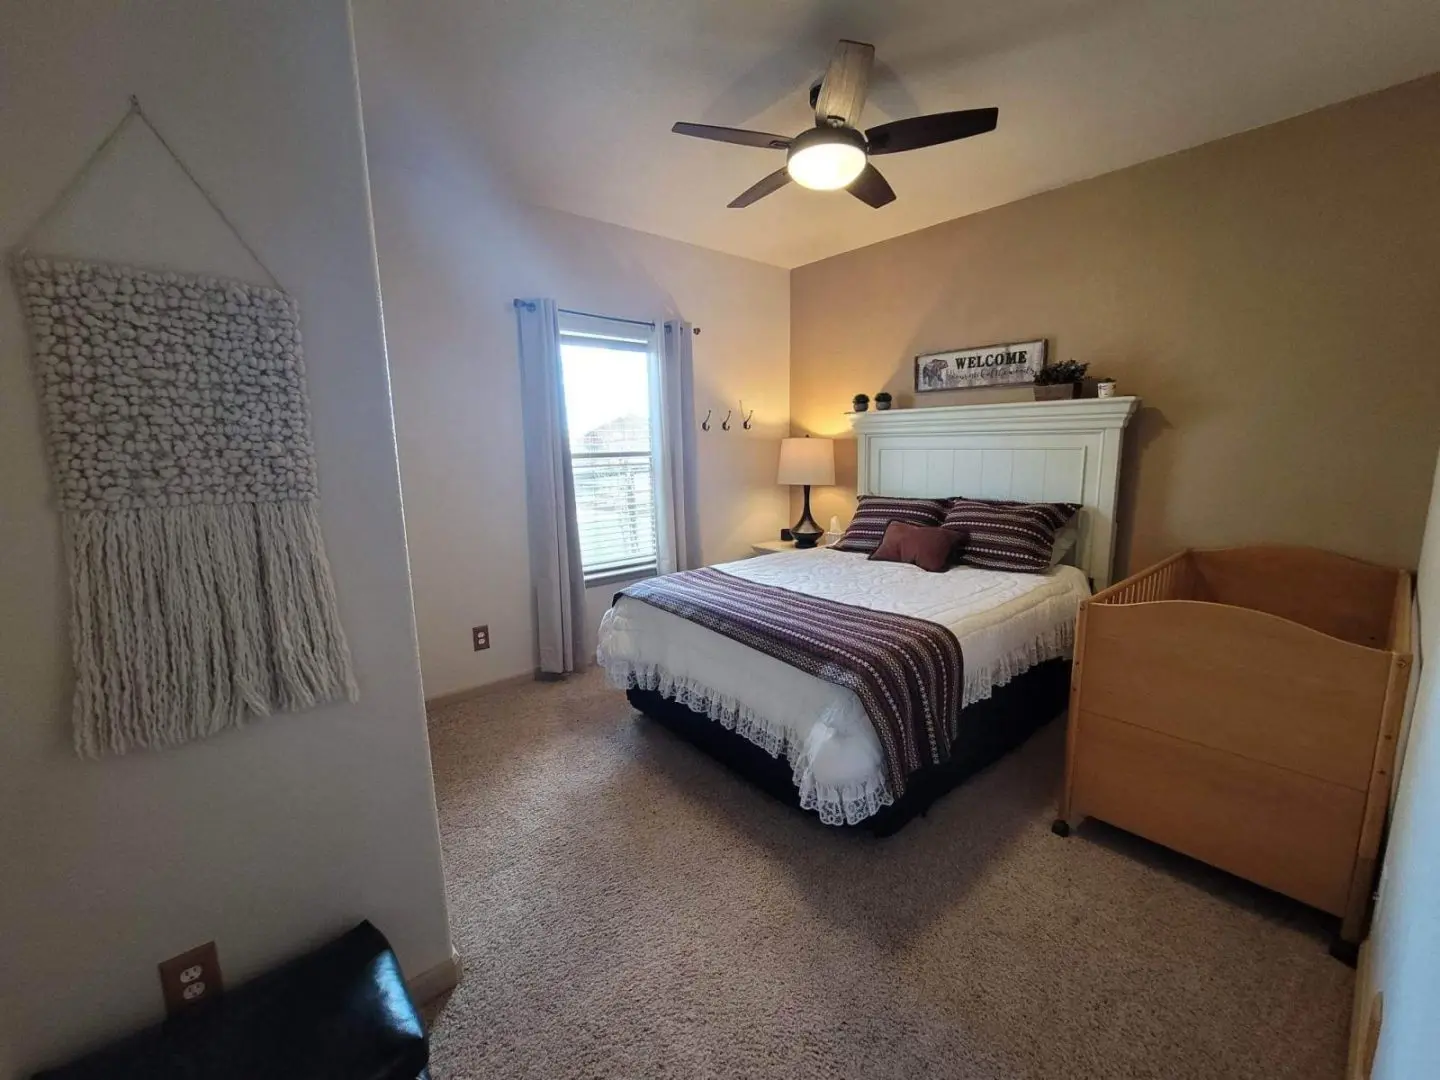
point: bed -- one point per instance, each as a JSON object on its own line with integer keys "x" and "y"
{"x": 809, "y": 740}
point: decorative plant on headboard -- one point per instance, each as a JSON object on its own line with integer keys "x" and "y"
{"x": 1059, "y": 381}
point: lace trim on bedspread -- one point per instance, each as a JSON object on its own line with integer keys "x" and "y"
{"x": 848, "y": 804}
{"x": 1048, "y": 640}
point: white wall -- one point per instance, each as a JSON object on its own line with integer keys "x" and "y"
{"x": 270, "y": 838}
{"x": 455, "y": 248}
{"x": 1403, "y": 958}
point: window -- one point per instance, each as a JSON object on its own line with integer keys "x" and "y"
{"x": 607, "y": 367}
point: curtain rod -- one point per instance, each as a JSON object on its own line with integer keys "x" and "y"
{"x": 611, "y": 318}
{"x": 529, "y": 306}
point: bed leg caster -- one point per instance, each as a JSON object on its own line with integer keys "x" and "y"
{"x": 1347, "y": 952}
{"x": 1060, "y": 827}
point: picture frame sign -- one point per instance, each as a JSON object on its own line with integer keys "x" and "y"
{"x": 1014, "y": 364}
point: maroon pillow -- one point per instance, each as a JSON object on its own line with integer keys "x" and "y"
{"x": 1008, "y": 535}
{"x": 926, "y": 546}
{"x": 874, "y": 512}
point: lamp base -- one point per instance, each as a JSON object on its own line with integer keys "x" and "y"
{"x": 807, "y": 530}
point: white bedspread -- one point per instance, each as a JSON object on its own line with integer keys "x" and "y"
{"x": 1005, "y": 622}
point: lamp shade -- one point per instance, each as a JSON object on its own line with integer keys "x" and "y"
{"x": 807, "y": 461}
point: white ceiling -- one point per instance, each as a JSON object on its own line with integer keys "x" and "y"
{"x": 571, "y": 101}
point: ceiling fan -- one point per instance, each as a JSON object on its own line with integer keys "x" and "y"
{"x": 834, "y": 153}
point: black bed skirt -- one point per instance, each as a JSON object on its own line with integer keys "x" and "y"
{"x": 988, "y": 731}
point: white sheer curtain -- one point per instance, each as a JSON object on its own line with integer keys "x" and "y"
{"x": 556, "y": 573}
{"x": 678, "y": 532}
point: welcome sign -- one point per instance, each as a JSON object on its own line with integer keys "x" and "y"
{"x": 990, "y": 365}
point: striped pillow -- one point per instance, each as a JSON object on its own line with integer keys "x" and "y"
{"x": 1008, "y": 535}
{"x": 867, "y": 527}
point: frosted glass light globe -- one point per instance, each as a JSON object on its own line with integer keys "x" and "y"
{"x": 826, "y": 159}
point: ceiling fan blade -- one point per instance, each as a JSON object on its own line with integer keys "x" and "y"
{"x": 733, "y": 135}
{"x": 774, "y": 182}
{"x": 872, "y": 188}
{"x": 842, "y": 91}
{"x": 930, "y": 130}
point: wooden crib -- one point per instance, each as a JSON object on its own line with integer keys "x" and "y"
{"x": 1242, "y": 706}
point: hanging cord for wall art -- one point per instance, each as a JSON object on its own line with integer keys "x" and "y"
{"x": 22, "y": 248}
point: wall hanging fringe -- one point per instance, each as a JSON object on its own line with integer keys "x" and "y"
{"x": 179, "y": 437}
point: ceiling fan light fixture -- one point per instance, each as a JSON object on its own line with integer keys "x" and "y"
{"x": 826, "y": 159}
{"x": 835, "y": 154}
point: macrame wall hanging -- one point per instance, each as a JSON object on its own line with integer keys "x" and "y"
{"x": 179, "y": 438}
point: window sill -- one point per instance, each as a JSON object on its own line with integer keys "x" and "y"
{"x": 615, "y": 577}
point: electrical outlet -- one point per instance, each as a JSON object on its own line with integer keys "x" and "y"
{"x": 480, "y": 637}
{"x": 190, "y": 978}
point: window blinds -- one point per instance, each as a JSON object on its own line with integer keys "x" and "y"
{"x": 607, "y": 367}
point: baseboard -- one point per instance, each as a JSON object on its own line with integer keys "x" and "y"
{"x": 456, "y": 697}
{"x": 443, "y": 977}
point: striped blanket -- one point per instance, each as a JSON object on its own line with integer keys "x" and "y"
{"x": 908, "y": 673}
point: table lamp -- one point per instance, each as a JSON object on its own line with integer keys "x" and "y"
{"x": 807, "y": 461}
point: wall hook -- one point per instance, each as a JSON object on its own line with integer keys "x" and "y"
{"x": 705, "y": 424}
{"x": 747, "y": 417}
{"x": 725, "y": 424}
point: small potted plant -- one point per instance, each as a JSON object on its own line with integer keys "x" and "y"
{"x": 882, "y": 401}
{"x": 861, "y": 402}
{"x": 1105, "y": 387}
{"x": 1059, "y": 382}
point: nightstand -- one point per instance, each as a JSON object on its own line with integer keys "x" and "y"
{"x": 769, "y": 547}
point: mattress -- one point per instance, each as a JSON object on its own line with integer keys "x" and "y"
{"x": 1005, "y": 622}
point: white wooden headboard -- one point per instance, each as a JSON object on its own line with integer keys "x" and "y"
{"x": 1038, "y": 451}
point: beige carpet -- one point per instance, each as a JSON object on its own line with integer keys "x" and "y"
{"x": 627, "y": 908}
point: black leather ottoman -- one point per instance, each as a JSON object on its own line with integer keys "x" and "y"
{"x": 339, "y": 1013}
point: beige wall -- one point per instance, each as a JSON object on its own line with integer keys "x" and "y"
{"x": 1274, "y": 297}
{"x": 270, "y": 838}
{"x": 455, "y": 248}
